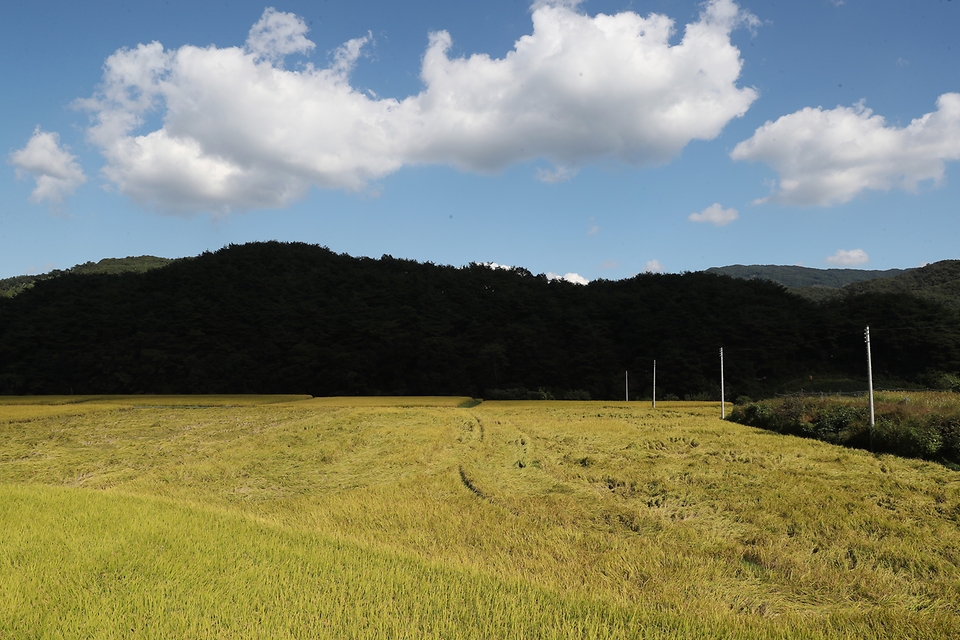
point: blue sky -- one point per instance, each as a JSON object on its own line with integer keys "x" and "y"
{"x": 598, "y": 139}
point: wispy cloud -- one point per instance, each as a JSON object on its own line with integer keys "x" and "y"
{"x": 241, "y": 131}
{"x": 845, "y": 258}
{"x": 51, "y": 165}
{"x": 716, "y": 215}
{"x": 560, "y": 174}
{"x": 609, "y": 264}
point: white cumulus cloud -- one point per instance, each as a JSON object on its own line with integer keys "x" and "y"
{"x": 580, "y": 87}
{"x": 826, "y": 157}
{"x": 54, "y": 169}
{"x": 715, "y": 214}
{"x": 845, "y": 258}
{"x": 278, "y": 34}
{"x": 653, "y": 266}
{"x": 575, "y": 278}
{"x": 241, "y": 131}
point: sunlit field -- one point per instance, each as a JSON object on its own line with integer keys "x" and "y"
{"x": 292, "y": 517}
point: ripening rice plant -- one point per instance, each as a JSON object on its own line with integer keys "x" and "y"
{"x": 269, "y": 517}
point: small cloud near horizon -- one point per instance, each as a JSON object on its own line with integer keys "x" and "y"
{"x": 716, "y": 215}
{"x": 494, "y": 265}
{"x": 653, "y": 266}
{"x": 845, "y": 258}
{"x": 575, "y": 278}
{"x": 609, "y": 264}
{"x": 46, "y": 268}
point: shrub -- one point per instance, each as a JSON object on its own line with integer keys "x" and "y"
{"x": 942, "y": 381}
{"x": 519, "y": 393}
{"x": 904, "y": 429}
{"x": 907, "y": 437}
{"x": 753, "y": 414}
{"x": 833, "y": 420}
{"x": 791, "y": 416}
{"x": 950, "y": 437}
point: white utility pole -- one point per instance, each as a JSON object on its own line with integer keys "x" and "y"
{"x": 723, "y": 405}
{"x": 654, "y": 384}
{"x": 626, "y": 386}
{"x": 870, "y": 383}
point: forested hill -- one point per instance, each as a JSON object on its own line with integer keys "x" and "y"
{"x": 794, "y": 277}
{"x": 939, "y": 281}
{"x": 296, "y": 318}
{"x": 10, "y": 287}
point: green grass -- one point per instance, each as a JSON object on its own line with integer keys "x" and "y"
{"x": 381, "y": 517}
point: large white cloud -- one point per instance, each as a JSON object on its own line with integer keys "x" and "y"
{"x": 826, "y": 157}
{"x": 55, "y": 169}
{"x": 240, "y": 131}
{"x": 581, "y": 87}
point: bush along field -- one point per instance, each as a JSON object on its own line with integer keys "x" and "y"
{"x": 291, "y": 517}
{"x": 914, "y": 424}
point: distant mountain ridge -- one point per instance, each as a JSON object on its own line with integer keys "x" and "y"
{"x": 10, "y": 287}
{"x": 796, "y": 277}
{"x": 938, "y": 282}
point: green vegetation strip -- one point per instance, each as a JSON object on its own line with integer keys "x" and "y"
{"x": 911, "y": 424}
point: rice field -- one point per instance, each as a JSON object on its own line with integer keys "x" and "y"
{"x": 296, "y": 517}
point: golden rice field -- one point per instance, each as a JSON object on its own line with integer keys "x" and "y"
{"x": 291, "y": 517}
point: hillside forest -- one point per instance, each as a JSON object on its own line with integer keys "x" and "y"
{"x": 296, "y": 318}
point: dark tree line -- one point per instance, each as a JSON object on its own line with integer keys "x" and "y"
{"x": 295, "y": 318}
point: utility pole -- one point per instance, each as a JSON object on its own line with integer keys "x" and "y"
{"x": 626, "y": 386}
{"x": 654, "y": 384}
{"x": 870, "y": 383}
{"x": 723, "y": 404}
